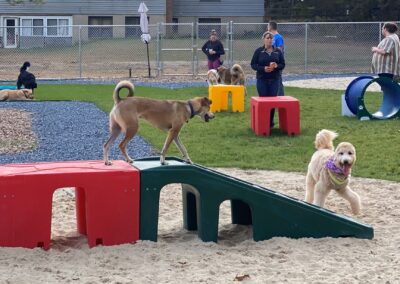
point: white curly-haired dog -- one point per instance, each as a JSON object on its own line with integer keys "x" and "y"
{"x": 213, "y": 77}
{"x": 330, "y": 169}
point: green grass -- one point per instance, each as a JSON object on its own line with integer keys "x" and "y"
{"x": 227, "y": 141}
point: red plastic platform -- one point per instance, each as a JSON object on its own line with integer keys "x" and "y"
{"x": 289, "y": 114}
{"x": 107, "y": 201}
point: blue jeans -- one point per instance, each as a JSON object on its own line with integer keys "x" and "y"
{"x": 268, "y": 88}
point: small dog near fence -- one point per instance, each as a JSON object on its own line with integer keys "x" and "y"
{"x": 330, "y": 169}
{"x": 167, "y": 115}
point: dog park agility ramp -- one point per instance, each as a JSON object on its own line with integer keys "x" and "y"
{"x": 203, "y": 190}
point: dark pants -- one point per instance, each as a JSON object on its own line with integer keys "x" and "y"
{"x": 281, "y": 91}
{"x": 387, "y": 75}
{"x": 268, "y": 88}
{"x": 214, "y": 64}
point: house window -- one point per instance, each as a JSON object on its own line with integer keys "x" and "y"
{"x": 46, "y": 26}
{"x": 132, "y": 28}
{"x": 32, "y": 27}
{"x": 58, "y": 27}
{"x": 100, "y": 32}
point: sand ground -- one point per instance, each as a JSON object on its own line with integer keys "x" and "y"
{"x": 180, "y": 256}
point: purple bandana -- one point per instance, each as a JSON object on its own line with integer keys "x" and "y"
{"x": 330, "y": 165}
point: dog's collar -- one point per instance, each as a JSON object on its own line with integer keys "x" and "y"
{"x": 337, "y": 180}
{"x": 192, "y": 113}
{"x": 334, "y": 171}
{"x": 330, "y": 165}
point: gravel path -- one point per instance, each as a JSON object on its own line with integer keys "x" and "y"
{"x": 16, "y": 133}
{"x": 68, "y": 131}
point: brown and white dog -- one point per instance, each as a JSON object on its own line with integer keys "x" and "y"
{"x": 330, "y": 169}
{"x": 232, "y": 76}
{"x": 167, "y": 115}
{"x": 16, "y": 95}
{"x": 213, "y": 77}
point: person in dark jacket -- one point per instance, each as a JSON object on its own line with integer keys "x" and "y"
{"x": 213, "y": 48}
{"x": 268, "y": 62}
{"x": 25, "y": 78}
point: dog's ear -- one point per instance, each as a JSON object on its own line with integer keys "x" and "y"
{"x": 205, "y": 101}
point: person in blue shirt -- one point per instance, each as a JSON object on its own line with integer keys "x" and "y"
{"x": 213, "y": 48}
{"x": 268, "y": 62}
{"x": 278, "y": 43}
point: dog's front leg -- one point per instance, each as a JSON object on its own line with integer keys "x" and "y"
{"x": 352, "y": 197}
{"x": 182, "y": 149}
{"x": 171, "y": 136}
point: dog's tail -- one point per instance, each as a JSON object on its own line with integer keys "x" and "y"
{"x": 121, "y": 85}
{"x": 236, "y": 69}
{"x": 324, "y": 139}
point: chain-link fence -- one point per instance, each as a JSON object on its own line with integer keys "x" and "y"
{"x": 97, "y": 52}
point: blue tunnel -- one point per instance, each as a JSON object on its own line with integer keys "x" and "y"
{"x": 391, "y": 95}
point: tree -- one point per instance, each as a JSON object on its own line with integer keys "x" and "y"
{"x": 389, "y": 10}
{"x": 333, "y": 10}
{"x": 363, "y": 10}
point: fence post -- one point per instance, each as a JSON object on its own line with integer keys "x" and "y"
{"x": 196, "y": 28}
{"x": 230, "y": 38}
{"x": 158, "y": 49}
{"x": 305, "y": 49}
{"x": 194, "y": 52}
{"x": 80, "y": 52}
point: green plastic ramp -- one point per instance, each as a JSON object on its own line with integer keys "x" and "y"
{"x": 272, "y": 214}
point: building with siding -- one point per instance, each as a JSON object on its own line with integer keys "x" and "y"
{"x": 52, "y": 22}
{"x": 218, "y": 11}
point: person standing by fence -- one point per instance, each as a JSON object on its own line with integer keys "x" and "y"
{"x": 213, "y": 48}
{"x": 268, "y": 61}
{"x": 385, "y": 58}
{"x": 277, "y": 42}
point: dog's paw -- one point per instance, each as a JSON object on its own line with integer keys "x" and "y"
{"x": 162, "y": 160}
{"x": 356, "y": 211}
{"x": 107, "y": 163}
